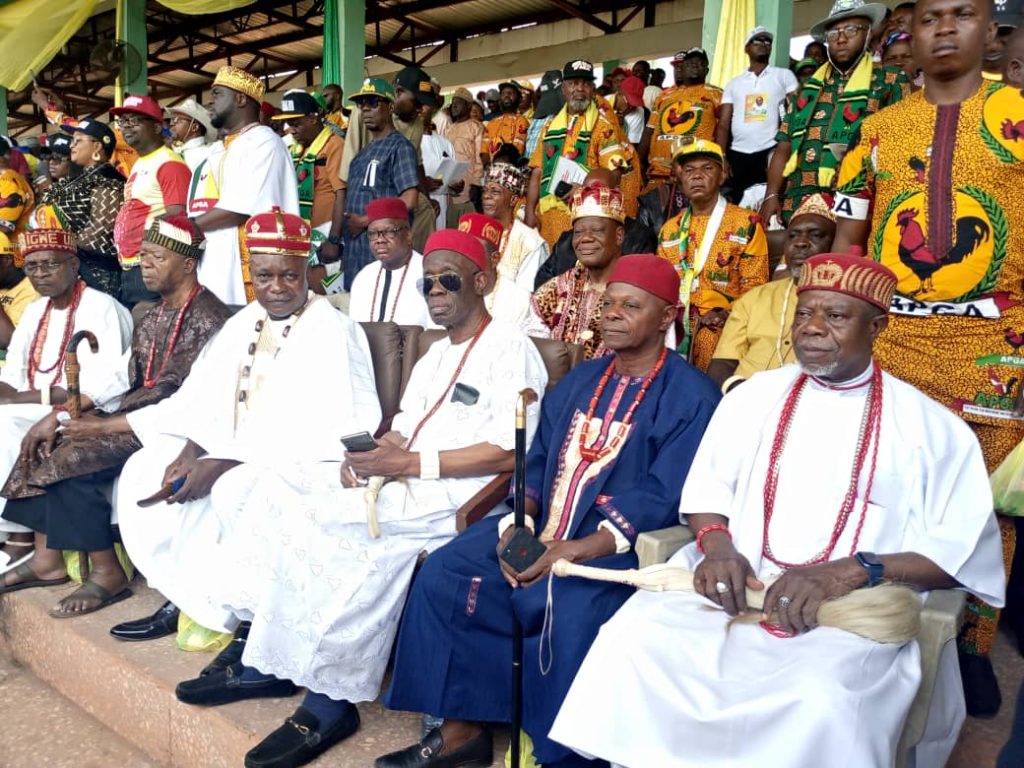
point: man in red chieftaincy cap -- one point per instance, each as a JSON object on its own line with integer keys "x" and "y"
{"x": 814, "y": 482}
{"x": 609, "y": 463}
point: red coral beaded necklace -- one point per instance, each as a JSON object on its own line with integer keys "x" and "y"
{"x": 39, "y": 339}
{"x": 149, "y": 380}
{"x": 597, "y": 452}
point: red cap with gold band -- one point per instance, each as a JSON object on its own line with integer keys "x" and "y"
{"x": 482, "y": 226}
{"x": 279, "y": 233}
{"x": 850, "y": 274}
{"x": 32, "y": 240}
{"x": 650, "y": 273}
{"x": 461, "y": 243}
{"x": 386, "y": 208}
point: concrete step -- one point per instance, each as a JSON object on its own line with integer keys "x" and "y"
{"x": 129, "y": 689}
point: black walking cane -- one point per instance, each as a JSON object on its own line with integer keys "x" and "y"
{"x": 72, "y": 368}
{"x": 526, "y": 397}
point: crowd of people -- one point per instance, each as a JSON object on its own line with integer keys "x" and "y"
{"x": 799, "y": 300}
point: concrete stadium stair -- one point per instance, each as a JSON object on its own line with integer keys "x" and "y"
{"x": 116, "y": 700}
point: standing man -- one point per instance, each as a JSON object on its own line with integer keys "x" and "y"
{"x": 386, "y": 289}
{"x": 757, "y": 334}
{"x": 385, "y": 167}
{"x": 829, "y": 107}
{"x": 157, "y": 186}
{"x": 57, "y": 488}
{"x": 191, "y": 131}
{"x": 652, "y": 90}
{"x": 248, "y": 172}
{"x": 586, "y": 503}
{"x": 687, "y": 111}
{"x": 580, "y": 134}
{"x": 752, "y": 104}
{"x": 316, "y": 153}
{"x": 336, "y": 117}
{"x": 511, "y": 126}
{"x": 720, "y": 250}
{"x": 467, "y": 138}
{"x": 931, "y": 188}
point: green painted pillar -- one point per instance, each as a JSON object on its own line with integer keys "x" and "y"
{"x": 3, "y": 111}
{"x": 777, "y": 16}
{"x": 132, "y": 30}
{"x": 344, "y": 44}
{"x": 709, "y": 29}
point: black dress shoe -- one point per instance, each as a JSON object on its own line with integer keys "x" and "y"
{"x": 232, "y": 654}
{"x": 161, "y": 624}
{"x": 225, "y": 686}
{"x": 475, "y": 752}
{"x": 299, "y": 740}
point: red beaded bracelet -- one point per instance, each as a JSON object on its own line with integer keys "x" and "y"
{"x": 708, "y": 529}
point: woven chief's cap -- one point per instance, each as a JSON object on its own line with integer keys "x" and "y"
{"x": 279, "y": 233}
{"x": 239, "y": 80}
{"x": 850, "y": 274}
{"x": 597, "y": 200}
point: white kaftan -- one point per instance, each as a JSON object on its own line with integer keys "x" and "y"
{"x": 180, "y": 547}
{"x": 670, "y": 683}
{"x": 103, "y": 378}
{"x": 250, "y": 176}
{"x": 402, "y": 301}
{"x": 324, "y": 598}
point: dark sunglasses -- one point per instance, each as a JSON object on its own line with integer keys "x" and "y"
{"x": 370, "y": 102}
{"x": 450, "y": 281}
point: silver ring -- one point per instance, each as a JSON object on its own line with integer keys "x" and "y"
{"x": 721, "y": 587}
{"x": 784, "y": 602}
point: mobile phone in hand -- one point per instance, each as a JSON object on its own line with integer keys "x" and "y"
{"x": 522, "y": 550}
{"x": 359, "y": 442}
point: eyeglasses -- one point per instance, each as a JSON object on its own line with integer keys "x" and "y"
{"x": 370, "y": 102}
{"x": 43, "y": 267}
{"x": 384, "y": 234}
{"x": 848, "y": 31}
{"x": 450, "y": 281}
{"x": 127, "y": 120}
{"x": 761, "y": 40}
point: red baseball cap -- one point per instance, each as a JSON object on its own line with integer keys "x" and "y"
{"x": 632, "y": 90}
{"x": 146, "y": 106}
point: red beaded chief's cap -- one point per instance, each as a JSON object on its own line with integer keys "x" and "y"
{"x": 386, "y": 208}
{"x": 461, "y": 243}
{"x": 484, "y": 227}
{"x": 32, "y": 240}
{"x": 279, "y": 233}
{"x": 851, "y": 274}
{"x": 598, "y": 200}
{"x": 650, "y": 273}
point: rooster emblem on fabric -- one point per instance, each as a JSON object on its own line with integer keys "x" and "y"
{"x": 914, "y": 252}
{"x": 681, "y": 119}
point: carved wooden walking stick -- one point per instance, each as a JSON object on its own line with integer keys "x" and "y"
{"x": 72, "y": 369}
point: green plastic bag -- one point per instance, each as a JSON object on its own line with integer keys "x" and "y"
{"x": 195, "y": 637}
{"x": 71, "y": 564}
{"x": 1008, "y": 484}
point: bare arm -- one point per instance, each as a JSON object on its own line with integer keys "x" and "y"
{"x": 218, "y": 218}
{"x": 724, "y": 126}
{"x": 532, "y": 196}
{"x": 410, "y": 198}
{"x": 772, "y": 205}
{"x": 6, "y": 329}
{"x": 851, "y": 232}
{"x": 720, "y": 370}
{"x": 645, "y": 144}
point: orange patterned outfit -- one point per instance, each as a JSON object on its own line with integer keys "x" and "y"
{"x": 942, "y": 187}
{"x": 592, "y": 140}
{"x": 737, "y": 262}
{"x": 682, "y": 112}
{"x": 570, "y": 305}
{"x": 507, "y": 129}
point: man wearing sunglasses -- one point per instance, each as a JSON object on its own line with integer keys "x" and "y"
{"x": 829, "y": 107}
{"x": 385, "y": 167}
{"x": 386, "y": 289}
{"x": 157, "y": 186}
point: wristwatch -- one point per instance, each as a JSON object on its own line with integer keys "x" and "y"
{"x": 874, "y": 566}
{"x": 334, "y": 239}
{"x": 63, "y": 417}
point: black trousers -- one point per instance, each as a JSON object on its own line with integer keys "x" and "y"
{"x": 74, "y": 513}
{"x": 133, "y": 290}
{"x": 747, "y": 170}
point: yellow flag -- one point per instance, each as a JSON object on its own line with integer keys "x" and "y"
{"x": 31, "y": 33}
{"x": 737, "y": 19}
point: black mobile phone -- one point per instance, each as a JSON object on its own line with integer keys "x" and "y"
{"x": 522, "y": 550}
{"x": 562, "y": 188}
{"x": 359, "y": 442}
{"x": 465, "y": 394}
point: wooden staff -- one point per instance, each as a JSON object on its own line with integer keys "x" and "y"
{"x": 526, "y": 397}
{"x": 72, "y": 368}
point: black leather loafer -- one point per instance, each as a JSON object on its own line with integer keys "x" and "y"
{"x": 299, "y": 740}
{"x": 161, "y": 624}
{"x": 232, "y": 654}
{"x": 226, "y": 686}
{"x": 477, "y": 752}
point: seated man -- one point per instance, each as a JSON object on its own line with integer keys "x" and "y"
{"x": 757, "y": 334}
{"x": 522, "y": 249}
{"x": 570, "y": 304}
{"x": 588, "y": 497}
{"x": 246, "y": 401}
{"x": 720, "y": 250}
{"x": 507, "y": 300}
{"x": 16, "y": 293}
{"x": 325, "y": 601}
{"x": 33, "y": 381}
{"x": 58, "y": 487}
{"x": 385, "y": 291}
{"x": 804, "y": 474}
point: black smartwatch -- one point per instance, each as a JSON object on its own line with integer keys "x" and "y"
{"x": 874, "y": 566}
